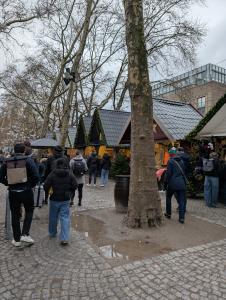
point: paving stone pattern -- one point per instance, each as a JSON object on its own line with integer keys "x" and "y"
{"x": 47, "y": 270}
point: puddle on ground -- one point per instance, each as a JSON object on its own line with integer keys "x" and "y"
{"x": 128, "y": 250}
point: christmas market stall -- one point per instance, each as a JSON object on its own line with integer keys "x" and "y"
{"x": 106, "y": 128}
{"x": 212, "y": 128}
{"x": 172, "y": 121}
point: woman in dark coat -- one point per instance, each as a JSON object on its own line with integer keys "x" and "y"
{"x": 176, "y": 183}
{"x": 61, "y": 183}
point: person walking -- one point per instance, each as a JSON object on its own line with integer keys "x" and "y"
{"x": 79, "y": 167}
{"x": 63, "y": 184}
{"x": 50, "y": 165}
{"x": 93, "y": 165}
{"x": 176, "y": 183}
{"x": 211, "y": 170}
{"x": 105, "y": 165}
{"x": 20, "y": 174}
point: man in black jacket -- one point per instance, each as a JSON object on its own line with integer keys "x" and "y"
{"x": 21, "y": 193}
{"x": 63, "y": 184}
{"x": 50, "y": 165}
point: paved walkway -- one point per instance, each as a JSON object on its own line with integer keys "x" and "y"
{"x": 48, "y": 271}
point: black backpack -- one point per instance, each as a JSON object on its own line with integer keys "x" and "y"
{"x": 78, "y": 167}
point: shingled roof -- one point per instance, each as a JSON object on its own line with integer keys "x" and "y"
{"x": 176, "y": 119}
{"x": 107, "y": 127}
{"x": 44, "y": 143}
{"x": 87, "y": 123}
{"x": 113, "y": 122}
{"x": 70, "y": 138}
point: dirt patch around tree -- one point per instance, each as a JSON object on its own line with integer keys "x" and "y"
{"x": 106, "y": 231}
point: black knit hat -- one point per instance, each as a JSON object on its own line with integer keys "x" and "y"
{"x": 19, "y": 148}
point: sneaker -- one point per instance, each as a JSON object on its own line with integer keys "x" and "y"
{"x": 88, "y": 184}
{"x": 27, "y": 239}
{"x": 181, "y": 221}
{"x": 16, "y": 244}
{"x": 64, "y": 243}
{"x": 167, "y": 216}
{"x": 101, "y": 184}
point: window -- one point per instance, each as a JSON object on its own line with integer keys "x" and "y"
{"x": 201, "y": 105}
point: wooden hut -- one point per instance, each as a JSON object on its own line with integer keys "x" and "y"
{"x": 172, "y": 121}
{"x": 106, "y": 129}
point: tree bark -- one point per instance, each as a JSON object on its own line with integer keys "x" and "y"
{"x": 144, "y": 201}
{"x": 75, "y": 67}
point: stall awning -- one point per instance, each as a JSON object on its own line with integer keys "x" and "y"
{"x": 216, "y": 125}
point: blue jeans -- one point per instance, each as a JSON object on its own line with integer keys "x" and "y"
{"x": 181, "y": 200}
{"x": 104, "y": 176}
{"x": 59, "y": 210}
{"x": 211, "y": 190}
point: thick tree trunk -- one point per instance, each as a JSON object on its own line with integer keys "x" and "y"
{"x": 144, "y": 200}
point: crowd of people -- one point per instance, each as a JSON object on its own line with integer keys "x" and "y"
{"x": 60, "y": 177}
{"x": 179, "y": 171}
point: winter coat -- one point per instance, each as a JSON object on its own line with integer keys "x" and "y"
{"x": 174, "y": 177}
{"x": 32, "y": 175}
{"x": 216, "y": 170}
{"x": 79, "y": 179}
{"x": 93, "y": 162}
{"x": 63, "y": 184}
{"x": 187, "y": 162}
{"x": 105, "y": 162}
{"x": 51, "y": 160}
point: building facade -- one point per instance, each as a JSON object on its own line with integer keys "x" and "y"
{"x": 201, "y": 87}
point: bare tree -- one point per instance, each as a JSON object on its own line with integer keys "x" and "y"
{"x": 18, "y": 15}
{"x": 144, "y": 201}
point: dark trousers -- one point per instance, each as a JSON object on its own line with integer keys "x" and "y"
{"x": 80, "y": 187}
{"x": 16, "y": 199}
{"x": 92, "y": 173}
{"x": 181, "y": 199}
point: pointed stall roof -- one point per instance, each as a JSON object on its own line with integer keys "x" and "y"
{"x": 81, "y": 138}
{"x": 107, "y": 126}
{"x": 174, "y": 119}
{"x": 213, "y": 124}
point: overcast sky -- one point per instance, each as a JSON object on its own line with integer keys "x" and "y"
{"x": 212, "y": 50}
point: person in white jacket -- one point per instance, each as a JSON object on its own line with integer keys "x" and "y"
{"x": 79, "y": 167}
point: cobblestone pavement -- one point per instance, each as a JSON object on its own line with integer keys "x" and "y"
{"x": 49, "y": 271}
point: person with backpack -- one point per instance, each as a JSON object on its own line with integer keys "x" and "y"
{"x": 93, "y": 165}
{"x": 20, "y": 174}
{"x": 105, "y": 165}
{"x": 63, "y": 184}
{"x": 211, "y": 170}
{"x": 176, "y": 184}
{"x": 79, "y": 167}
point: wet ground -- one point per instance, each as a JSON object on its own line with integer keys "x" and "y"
{"x": 105, "y": 230}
